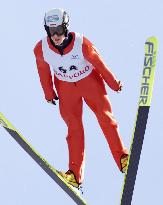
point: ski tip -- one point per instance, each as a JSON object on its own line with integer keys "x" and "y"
{"x": 147, "y": 82}
{"x": 152, "y": 39}
{"x": 5, "y": 123}
{"x": 1, "y": 118}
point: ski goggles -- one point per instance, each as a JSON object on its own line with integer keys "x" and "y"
{"x": 59, "y": 30}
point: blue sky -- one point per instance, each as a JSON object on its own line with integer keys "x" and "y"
{"x": 118, "y": 29}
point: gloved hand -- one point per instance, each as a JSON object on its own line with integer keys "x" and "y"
{"x": 53, "y": 101}
{"x": 120, "y": 86}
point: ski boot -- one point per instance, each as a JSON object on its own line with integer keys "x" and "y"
{"x": 124, "y": 163}
{"x": 70, "y": 178}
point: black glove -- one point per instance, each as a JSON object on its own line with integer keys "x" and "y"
{"x": 120, "y": 86}
{"x": 53, "y": 101}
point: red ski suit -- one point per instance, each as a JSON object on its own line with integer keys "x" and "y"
{"x": 71, "y": 95}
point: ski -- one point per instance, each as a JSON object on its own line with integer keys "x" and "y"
{"x": 147, "y": 81}
{"x": 50, "y": 170}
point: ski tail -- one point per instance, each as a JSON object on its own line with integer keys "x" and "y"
{"x": 147, "y": 82}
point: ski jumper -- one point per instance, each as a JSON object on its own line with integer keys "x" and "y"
{"x": 78, "y": 76}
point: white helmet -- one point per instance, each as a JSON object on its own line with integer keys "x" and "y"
{"x": 56, "y": 17}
